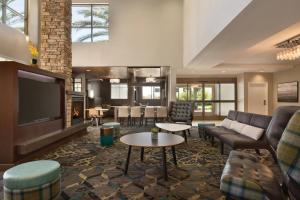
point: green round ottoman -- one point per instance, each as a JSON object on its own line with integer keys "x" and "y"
{"x": 115, "y": 126}
{"x": 36, "y": 180}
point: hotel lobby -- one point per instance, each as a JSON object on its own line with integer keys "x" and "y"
{"x": 149, "y": 99}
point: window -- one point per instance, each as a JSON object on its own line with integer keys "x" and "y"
{"x": 151, "y": 92}
{"x": 12, "y": 13}
{"x": 211, "y": 100}
{"x": 90, "y": 22}
{"x": 119, "y": 91}
{"x": 77, "y": 85}
{"x": 182, "y": 92}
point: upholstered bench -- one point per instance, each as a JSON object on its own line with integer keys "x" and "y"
{"x": 36, "y": 180}
{"x": 115, "y": 126}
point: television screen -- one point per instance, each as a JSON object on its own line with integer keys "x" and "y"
{"x": 39, "y": 98}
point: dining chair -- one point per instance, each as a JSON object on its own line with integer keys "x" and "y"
{"x": 149, "y": 114}
{"x": 135, "y": 113}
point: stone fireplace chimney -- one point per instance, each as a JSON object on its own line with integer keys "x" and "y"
{"x": 56, "y": 43}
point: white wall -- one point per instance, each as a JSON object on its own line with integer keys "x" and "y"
{"x": 142, "y": 33}
{"x": 285, "y": 76}
{"x": 240, "y": 93}
{"x": 33, "y": 21}
{"x": 204, "y": 20}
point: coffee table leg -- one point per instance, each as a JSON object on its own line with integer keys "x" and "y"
{"x": 174, "y": 155}
{"x": 127, "y": 161}
{"x": 165, "y": 163}
{"x": 184, "y": 134}
{"x": 142, "y": 154}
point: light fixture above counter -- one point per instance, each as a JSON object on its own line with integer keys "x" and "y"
{"x": 290, "y": 49}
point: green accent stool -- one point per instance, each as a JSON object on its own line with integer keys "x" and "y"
{"x": 36, "y": 180}
{"x": 201, "y": 128}
{"x": 115, "y": 126}
{"x": 106, "y": 136}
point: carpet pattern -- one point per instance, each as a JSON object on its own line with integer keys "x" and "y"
{"x": 90, "y": 171}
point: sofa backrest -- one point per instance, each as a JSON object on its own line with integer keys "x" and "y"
{"x": 279, "y": 121}
{"x": 260, "y": 121}
{"x": 244, "y": 117}
{"x": 232, "y": 114}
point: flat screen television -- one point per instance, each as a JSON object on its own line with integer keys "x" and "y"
{"x": 39, "y": 98}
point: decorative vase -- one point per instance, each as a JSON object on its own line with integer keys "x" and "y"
{"x": 34, "y": 61}
{"x": 154, "y": 136}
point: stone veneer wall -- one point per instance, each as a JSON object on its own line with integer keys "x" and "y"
{"x": 56, "y": 44}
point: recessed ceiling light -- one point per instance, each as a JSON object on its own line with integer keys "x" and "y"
{"x": 88, "y": 70}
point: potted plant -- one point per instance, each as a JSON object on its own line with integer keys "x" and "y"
{"x": 34, "y": 53}
{"x": 154, "y": 133}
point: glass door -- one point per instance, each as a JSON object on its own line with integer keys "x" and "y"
{"x": 212, "y": 101}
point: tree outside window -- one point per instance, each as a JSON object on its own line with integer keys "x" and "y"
{"x": 90, "y": 22}
{"x": 12, "y": 13}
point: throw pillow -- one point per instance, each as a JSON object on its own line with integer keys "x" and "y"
{"x": 237, "y": 126}
{"x": 288, "y": 150}
{"x": 252, "y": 132}
{"x": 226, "y": 123}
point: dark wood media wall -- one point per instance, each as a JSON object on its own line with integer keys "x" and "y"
{"x": 12, "y": 133}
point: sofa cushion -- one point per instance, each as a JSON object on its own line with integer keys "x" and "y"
{"x": 226, "y": 123}
{"x": 252, "y": 132}
{"x": 244, "y": 118}
{"x": 237, "y": 126}
{"x": 216, "y": 131}
{"x": 288, "y": 151}
{"x": 232, "y": 114}
{"x": 244, "y": 177}
{"x": 236, "y": 141}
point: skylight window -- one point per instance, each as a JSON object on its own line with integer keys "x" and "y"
{"x": 12, "y": 13}
{"x": 90, "y": 22}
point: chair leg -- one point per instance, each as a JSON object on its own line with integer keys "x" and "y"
{"x": 189, "y": 131}
{"x": 221, "y": 148}
{"x": 257, "y": 152}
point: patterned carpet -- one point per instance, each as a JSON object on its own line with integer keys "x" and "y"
{"x": 92, "y": 172}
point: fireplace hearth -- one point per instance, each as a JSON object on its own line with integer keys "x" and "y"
{"x": 77, "y": 109}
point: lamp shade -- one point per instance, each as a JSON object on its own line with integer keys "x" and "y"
{"x": 13, "y": 45}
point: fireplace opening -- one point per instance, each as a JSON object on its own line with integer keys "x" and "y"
{"x": 77, "y": 110}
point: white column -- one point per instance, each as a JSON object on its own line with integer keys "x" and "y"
{"x": 172, "y": 84}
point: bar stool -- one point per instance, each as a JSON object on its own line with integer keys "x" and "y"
{"x": 161, "y": 113}
{"x": 135, "y": 113}
{"x": 149, "y": 114}
{"x": 123, "y": 114}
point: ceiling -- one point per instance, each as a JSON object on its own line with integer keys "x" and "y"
{"x": 121, "y": 72}
{"x": 247, "y": 43}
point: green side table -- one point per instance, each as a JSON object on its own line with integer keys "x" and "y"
{"x": 201, "y": 128}
{"x": 115, "y": 126}
{"x": 106, "y": 136}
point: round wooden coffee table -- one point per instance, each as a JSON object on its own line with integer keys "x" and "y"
{"x": 144, "y": 140}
